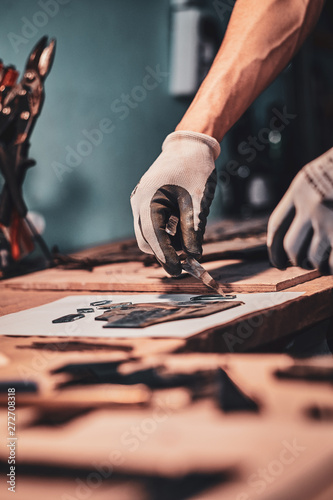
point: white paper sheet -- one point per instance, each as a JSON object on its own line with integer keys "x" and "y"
{"x": 38, "y": 320}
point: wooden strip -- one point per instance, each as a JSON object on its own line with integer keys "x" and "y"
{"x": 234, "y": 275}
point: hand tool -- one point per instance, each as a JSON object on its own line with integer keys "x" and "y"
{"x": 191, "y": 265}
{"x": 211, "y": 298}
{"x": 20, "y": 106}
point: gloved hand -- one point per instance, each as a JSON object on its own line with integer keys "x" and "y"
{"x": 181, "y": 182}
{"x": 301, "y": 227}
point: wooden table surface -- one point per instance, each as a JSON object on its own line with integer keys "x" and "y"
{"x": 188, "y": 448}
{"x": 223, "y": 238}
{"x": 241, "y": 335}
{"x": 174, "y": 446}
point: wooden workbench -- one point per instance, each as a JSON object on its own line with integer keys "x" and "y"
{"x": 242, "y": 240}
{"x": 172, "y": 446}
{"x": 80, "y": 442}
{"x": 249, "y": 333}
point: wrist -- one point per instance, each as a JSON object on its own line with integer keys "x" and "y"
{"x": 205, "y": 116}
{"x": 207, "y": 127}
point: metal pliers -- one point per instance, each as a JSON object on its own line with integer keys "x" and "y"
{"x": 20, "y": 106}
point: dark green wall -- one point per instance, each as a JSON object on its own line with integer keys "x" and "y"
{"x": 103, "y": 51}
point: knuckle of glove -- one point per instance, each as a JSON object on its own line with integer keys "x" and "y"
{"x": 271, "y": 229}
{"x": 330, "y": 262}
{"x": 173, "y": 268}
{"x": 290, "y": 249}
{"x": 319, "y": 252}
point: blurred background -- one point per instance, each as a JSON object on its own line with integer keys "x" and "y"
{"x": 124, "y": 74}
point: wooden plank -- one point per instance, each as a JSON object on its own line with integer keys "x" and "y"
{"x": 233, "y": 275}
{"x": 260, "y": 328}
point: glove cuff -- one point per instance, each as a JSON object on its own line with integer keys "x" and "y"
{"x": 196, "y": 137}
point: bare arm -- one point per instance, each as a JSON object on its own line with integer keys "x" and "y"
{"x": 262, "y": 37}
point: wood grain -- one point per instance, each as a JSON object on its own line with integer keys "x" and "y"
{"x": 233, "y": 275}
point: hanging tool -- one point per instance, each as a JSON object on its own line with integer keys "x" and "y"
{"x": 20, "y": 106}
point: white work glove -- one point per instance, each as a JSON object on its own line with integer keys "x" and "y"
{"x": 300, "y": 230}
{"x": 181, "y": 182}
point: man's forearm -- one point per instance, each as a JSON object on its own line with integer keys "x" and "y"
{"x": 261, "y": 38}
